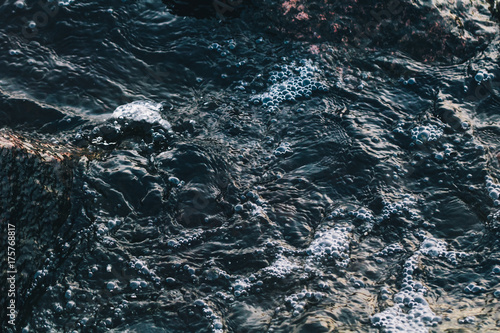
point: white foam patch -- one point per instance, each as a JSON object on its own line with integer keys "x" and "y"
{"x": 435, "y": 248}
{"x": 142, "y": 111}
{"x": 331, "y": 244}
{"x": 291, "y": 82}
{"x": 411, "y": 312}
{"x": 281, "y": 268}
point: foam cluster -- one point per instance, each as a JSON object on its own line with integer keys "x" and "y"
{"x": 390, "y": 250}
{"x": 426, "y": 133}
{"x": 281, "y": 268}
{"x": 493, "y": 190}
{"x": 241, "y": 286}
{"x": 290, "y": 83}
{"x": 394, "y": 319}
{"x": 362, "y": 213}
{"x": 142, "y": 111}
{"x": 331, "y": 244}
{"x": 298, "y": 301}
{"x": 432, "y": 247}
{"x": 404, "y": 206}
{"x": 435, "y": 248}
{"x": 410, "y": 312}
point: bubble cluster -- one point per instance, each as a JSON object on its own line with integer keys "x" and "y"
{"x": 214, "y": 273}
{"x": 432, "y": 247}
{"x": 394, "y": 319}
{"x": 448, "y": 152}
{"x": 253, "y": 204}
{"x": 411, "y": 81}
{"x": 390, "y": 250}
{"x": 298, "y": 301}
{"x": 186, "y": 238}
{"x": 435, "y": 248}
{"x": 138, "y": 284}
{"x": 15, "y": 52}
{"x": 241, "y": 286}
{"x": 493, "y": 190}
{"x": 141, "y": 267}
{"x": 403, "y": 206}
{"x": 104, "y": 226}
{"x": 223, "y": 49}
{"x": 215, "y": 320}
{"x": 411, "y": 312}
{"x": 283, "y": 149}
{"x": 281, "y": 268}
{"x": 363, "y": 214}
{"x": 290, "y": 83}
{"x": 473, "y": 288}
{"x": 426, "y": 133}
{"x": 483, "y": 75}
{"x": 467, "y": 320}
{"x": 331, "y": 244}
{"x": 257, "y": 210}
{"x": 142, "y": 111}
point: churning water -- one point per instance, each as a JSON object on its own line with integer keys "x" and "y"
{"x": 271, "y": 166}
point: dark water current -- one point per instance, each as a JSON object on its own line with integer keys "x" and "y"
{"x": 290, "y": 166}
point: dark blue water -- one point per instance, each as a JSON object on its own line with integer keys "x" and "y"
{"x": 280, "y": 166}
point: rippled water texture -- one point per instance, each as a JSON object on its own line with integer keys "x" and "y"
{"x": 289, "y": 167}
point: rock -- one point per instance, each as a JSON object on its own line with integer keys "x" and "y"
{"x": 35, "y": 186}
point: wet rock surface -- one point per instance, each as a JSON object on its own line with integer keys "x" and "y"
{"x": 36, "y": 193}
